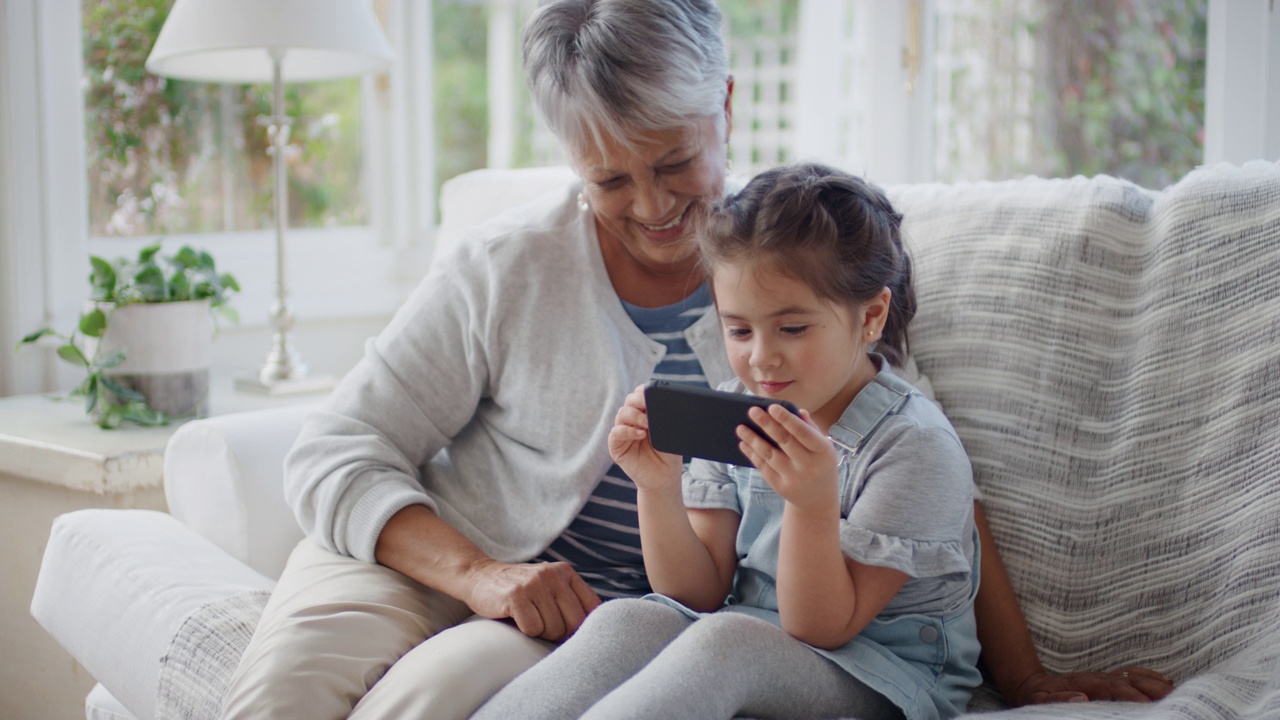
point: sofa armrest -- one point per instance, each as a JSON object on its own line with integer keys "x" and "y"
{"x": 223, "y": 478}
{"x": 115, "y": 586}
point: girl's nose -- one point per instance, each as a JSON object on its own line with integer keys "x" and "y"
{"x": 763, "y": 356}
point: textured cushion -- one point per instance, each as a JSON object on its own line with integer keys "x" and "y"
{"x": 197, "y": 668}
{"x": 115, "y": 585}
{"x": 1108, "y": 356}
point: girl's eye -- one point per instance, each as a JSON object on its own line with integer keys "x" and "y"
{"x": 794, "y": 329}
{"x": 737, "y": 333}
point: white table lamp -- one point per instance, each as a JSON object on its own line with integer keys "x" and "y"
{"x": 276, "y": 41}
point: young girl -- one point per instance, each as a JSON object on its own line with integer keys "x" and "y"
{"x": 836, "y": 577}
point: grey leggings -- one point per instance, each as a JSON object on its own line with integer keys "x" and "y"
{"x": 642, "y": 659}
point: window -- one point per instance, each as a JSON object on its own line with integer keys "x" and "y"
{"x": 998, "y": 90}
{"x": 1143, "y": 89}
{"x": 1059, "y": 89}
{"x": 169, "y": 157}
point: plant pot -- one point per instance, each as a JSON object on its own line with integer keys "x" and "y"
{"x": 168, "y": 350}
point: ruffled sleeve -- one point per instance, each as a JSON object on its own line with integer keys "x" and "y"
{"x": 917, "y": 558}
{"x": 914, "y": 509}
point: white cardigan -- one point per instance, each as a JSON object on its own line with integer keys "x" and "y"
{"x": 514, "y": 354}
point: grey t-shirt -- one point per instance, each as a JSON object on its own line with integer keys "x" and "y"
{"x": 906, "y": 500}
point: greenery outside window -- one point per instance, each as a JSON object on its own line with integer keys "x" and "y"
{"x": 172, "y": 157}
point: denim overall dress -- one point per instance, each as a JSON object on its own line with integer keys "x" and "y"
{"x": 924, "y": 664}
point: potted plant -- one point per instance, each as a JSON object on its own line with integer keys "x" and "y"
{"x": 145, "y": 338}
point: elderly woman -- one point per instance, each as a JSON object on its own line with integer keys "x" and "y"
{"x": 456, "y": 488}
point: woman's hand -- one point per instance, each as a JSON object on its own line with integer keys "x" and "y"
{"x": 802, "y": 469}
{"x": 630, "y": 447}
{"x": 1133, "y": 684}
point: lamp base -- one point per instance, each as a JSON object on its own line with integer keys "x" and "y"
{"x": 293, "y": 386}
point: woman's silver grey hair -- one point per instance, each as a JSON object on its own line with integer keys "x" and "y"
{"x": 612, "y": 68}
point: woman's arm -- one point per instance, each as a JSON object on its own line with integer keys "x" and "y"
{"x": 824, "y": 598}
{"x": 547, "y": 600}
{"x": 1010, "y": 655}
{"x": 688, "y": 555}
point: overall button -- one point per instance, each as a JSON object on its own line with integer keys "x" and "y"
{"x": 929, "y": 634}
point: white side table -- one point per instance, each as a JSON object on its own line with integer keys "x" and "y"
{"x": 54, "y": 460}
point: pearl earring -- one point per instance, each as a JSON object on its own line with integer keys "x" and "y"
{"x": 583, "y": 205}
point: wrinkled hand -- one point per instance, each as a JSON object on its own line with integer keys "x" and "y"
{"x": 1132, "y": 684}
{"x": 802, "y": 469}
{"x": 546, "y": 600}
{"x": 630, "y": 447}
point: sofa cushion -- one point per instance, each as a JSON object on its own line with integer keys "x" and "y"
{"x": 1108, "y": 355}
{"x": 115, "y": 585}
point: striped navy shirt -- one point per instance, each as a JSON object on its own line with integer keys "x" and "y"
{"x": 603, "y": 542}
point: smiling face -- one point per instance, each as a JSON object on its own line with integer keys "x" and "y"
{"x": 787, "y": 343}
{"x": 642, "y": 196}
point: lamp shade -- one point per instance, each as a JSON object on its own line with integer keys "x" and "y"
{"x": 232, "y": 41}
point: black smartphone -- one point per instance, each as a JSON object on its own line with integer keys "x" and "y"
{"x": 698, "y": 422}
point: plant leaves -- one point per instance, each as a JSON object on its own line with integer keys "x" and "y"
{"x": 139, "y": 413}
{"x": 123, "y": 392}
{"x": 34, "y": 337}
{"x": 230, "y": 314}
{"x": 206, "y": 261}
{"x": 147, "y": 253}
{"x": 111, "y": 418}
{"x": 112, "y": 360}
{"x": 151, "y": 284}
{"x": 93, "y": 323}
{"x": 102, "y": 280}
{"x": 90, "y": 388}
{"x": 180, "y": 287}
{"x": 186, "y": 258}
{"x": 228, "y": 282}
{"x": 73, "y": 355}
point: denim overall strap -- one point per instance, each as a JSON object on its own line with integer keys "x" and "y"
{"x": 882, "y": 397}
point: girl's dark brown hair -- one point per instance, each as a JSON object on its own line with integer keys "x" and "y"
{"x": 833, "y": 231}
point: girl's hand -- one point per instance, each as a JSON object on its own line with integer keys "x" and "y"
{"x": 802, "y": 469}
{"x": 630, "y": 447}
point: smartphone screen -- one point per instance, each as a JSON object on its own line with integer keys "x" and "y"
{"x": 698, "y": 422}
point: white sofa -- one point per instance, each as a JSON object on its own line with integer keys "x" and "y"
{"x": 1109, "y": 355}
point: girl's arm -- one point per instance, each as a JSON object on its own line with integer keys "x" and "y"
{"x": 688, "y": 555}
{"x": 824, "y": 598}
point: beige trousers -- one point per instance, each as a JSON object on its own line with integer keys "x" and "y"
{"x": 344, "y": 638}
